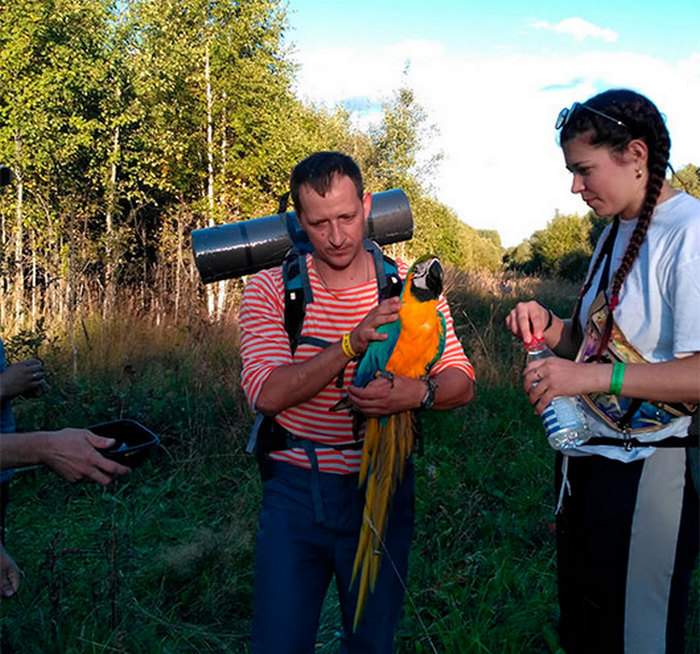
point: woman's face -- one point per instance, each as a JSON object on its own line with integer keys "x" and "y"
{"x": 610, "y": 183}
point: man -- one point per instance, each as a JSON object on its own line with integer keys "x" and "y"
{"x": 312, "y": 509}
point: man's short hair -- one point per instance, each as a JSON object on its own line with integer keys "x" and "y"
{"x": 318, "y": 170}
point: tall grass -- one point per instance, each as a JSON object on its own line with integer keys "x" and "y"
{"x": 162, "y": 560}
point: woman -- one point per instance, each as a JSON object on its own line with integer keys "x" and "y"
{"x": 627, "y": 528}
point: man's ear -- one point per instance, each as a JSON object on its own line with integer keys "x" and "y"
{"x": 367, "y": 204}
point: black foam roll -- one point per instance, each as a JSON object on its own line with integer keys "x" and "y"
{"x": 243, "y": 248}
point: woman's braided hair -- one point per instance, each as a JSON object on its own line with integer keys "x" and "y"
{"x": 642, "y": 120}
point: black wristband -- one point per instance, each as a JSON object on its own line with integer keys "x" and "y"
{"x": 429, "y": 399}
{"x": 550, "y": 316}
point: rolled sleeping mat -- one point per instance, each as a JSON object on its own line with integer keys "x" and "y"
{"x": 6, "y": 175}
{"x": 243, "y": 248}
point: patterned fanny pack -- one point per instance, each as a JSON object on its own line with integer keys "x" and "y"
{"x": 624, "y": 414}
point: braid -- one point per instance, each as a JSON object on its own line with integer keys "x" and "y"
{"x": 659, "y": 145}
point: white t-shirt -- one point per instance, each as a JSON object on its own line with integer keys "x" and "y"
{"x": 659, "y": 310}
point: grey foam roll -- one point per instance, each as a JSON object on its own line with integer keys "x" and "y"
{"x": 243, "y": 248}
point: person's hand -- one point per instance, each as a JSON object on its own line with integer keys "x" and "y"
{"x": 384, "y": 396}
{"x": 10, "y": 574}
{"x": 73, "y": 454}
{"x": 23, "y": 377}
{"x": 385, "y": 312}
{"x": 528, "y": 320}
{"x": 554, "y": 377}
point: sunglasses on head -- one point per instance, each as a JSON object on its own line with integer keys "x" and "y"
{"x": 567, "y": 113}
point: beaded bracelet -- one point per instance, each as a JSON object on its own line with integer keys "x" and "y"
{"x": 618, "y": 374}
{"x": 347, "y": 347}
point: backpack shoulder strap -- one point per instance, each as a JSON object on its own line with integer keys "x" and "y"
{"x": 388, "y": 280}
{"x": 297, "y": 294}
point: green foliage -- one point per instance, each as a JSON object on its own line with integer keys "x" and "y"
{"x": 130, "y": 123}
{"x": 688, "y": 180}
{"x": 563, "y": 235}
{"x": 490, "y": 235}
{"x": 563, "y": 248}
{"x": 439, "y": 230}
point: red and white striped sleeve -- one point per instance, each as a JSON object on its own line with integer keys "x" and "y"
{"x": 264, "y": 341}
{"x": 453, "y": 356}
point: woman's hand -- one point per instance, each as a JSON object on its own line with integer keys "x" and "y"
{"x": 24, "y": 377}
{"x": 528, "y": 320}
{"x": 10, "y": 574}
{"x": 554, "y": 377}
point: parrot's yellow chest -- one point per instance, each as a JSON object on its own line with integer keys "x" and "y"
{"x": 418, "y": 341}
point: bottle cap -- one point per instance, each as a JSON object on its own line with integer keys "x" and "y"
{"x": 533, "y": 343}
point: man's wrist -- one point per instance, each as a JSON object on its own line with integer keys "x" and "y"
{"x": 346, "y": 345}
{"x": 429, "y": 396}
{"x": 42, "y": 447}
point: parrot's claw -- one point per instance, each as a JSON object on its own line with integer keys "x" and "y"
{"x": 343, "y": 404}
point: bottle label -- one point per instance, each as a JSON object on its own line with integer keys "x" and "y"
{"x": 560, "y": 415}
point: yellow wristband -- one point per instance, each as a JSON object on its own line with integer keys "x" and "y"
{"x": 347, "y": 347}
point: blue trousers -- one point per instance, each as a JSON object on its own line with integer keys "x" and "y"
{"x": 297, "y": 556}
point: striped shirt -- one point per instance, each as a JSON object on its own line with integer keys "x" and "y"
{"x": 265, "y": 346}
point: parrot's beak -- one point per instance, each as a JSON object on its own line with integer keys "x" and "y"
{"x": 435, "y": 276}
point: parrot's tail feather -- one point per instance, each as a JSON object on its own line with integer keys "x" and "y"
{"x": 361, "y": 593}
{"x": 372, "y": 436}
{"x": 388, "y": 445}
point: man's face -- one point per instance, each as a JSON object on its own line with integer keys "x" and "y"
{"x": 335, "y": 223}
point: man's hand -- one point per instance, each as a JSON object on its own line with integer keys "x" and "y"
{"x": 22, "y": 377}
{"x": 384, "y": 396}
{"x": 385, "y": 312}
{"x": 10, "y": 574}
{"x": 72, "y": 454}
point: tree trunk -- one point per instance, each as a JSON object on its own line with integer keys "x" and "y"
{"x": 3, "y": 244}
{"x": 19, "y": 248}
{"x": 109, "y": 213}
{"x": 215, "y": 302}
{"x": 34, "y": 277}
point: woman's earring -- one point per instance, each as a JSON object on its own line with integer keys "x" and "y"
{"x": 638, "y": 173}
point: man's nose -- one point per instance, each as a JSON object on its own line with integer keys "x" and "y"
{"x": 335, "y": 235}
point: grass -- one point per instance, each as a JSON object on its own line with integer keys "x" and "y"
{"x": 161, "y": 562}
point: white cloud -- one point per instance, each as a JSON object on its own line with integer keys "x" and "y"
{"x": 579, "y": 28}
{"x": 503, "y": 168}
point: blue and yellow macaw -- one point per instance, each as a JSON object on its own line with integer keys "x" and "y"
{"x": 414, "y": 343}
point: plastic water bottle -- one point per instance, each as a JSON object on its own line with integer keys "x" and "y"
{"x": 564, "y": 421}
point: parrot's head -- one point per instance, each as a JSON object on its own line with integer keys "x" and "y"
{"x": 426, "y": 278}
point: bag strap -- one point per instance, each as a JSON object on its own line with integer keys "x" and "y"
{"x": 628, "y": 443}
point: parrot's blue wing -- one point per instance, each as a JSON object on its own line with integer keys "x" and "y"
{"x": 377, "y": 354}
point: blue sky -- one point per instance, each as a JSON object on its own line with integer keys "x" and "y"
{"x": 671, "y": 28}
{"x": 492, "y": 81}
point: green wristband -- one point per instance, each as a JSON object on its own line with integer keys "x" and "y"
{"x": 618, "y": 374}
